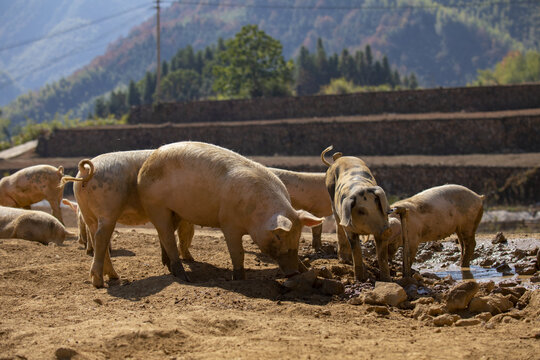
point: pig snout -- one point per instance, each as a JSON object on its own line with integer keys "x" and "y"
{"x": 288, "y": 262}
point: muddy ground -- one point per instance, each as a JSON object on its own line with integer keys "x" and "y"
{"x": 49, "y": 309}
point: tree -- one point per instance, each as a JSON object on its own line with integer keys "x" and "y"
{"x": 149, "y": 88}
{"x": 251, "y": 65}
{"x": 100, "y": 108}
{"x": 515, "y": 68}
{"x": 306, "y": 74}
{"x": 134, "y": 97}
{"x": 181, "y": 85}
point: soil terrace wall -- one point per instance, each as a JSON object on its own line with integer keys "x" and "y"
{"x": 488, "y": 98}
{"x": 385, "y": 135}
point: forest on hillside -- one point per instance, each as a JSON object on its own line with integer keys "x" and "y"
{"x": 443, "y": 42}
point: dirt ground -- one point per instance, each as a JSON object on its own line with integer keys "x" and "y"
{"x": 49, "y": 309}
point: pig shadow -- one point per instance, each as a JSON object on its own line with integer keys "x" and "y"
{"x": 122, "y": 252}
{"x": 259, "y": 284}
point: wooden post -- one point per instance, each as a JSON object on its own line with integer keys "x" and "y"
{"x": 404, "y": 214}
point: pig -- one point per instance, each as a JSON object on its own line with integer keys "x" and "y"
{"x": 435, "y": 214}
{"x": 31, "y": 185}
{"x": 360, "y": 208}
{"x": 208, "y": 185}
{"x": 308, "y": 192}
{"x": 106, "y": 192}
{"x": 33, "y": 225}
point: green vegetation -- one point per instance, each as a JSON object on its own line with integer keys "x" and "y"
{"x": 515, "y": 68}
{"x": 31, "y": 130}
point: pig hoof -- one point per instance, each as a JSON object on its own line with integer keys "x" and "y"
{"x": 97, "y": 281}
{"x": 239, "y": 274}
{"x": 178, "y": 271}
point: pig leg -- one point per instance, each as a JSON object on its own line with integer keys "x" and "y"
{"x": 358, "y": 262}
{"x": 56, "y": 210}
{"x": 344, "y": 247}
{"x": 236, "y": 251}
{"x": 102, "y": 260}
{"x": 316, "y": 232}
{"x": 166, "y": 222}
{"x": 185, "y": 232}
{"x": 468, "y": 243}
{"x": 381, "y": 246}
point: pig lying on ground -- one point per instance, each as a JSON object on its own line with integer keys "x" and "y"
{"x": 360, "y": 208}
{"x": 31, "y": 185}
{"x": 437, "y": 213}
{"x": 211, "y": 186}
{"x": 31, "y": 225}
{"x": 106, "y": 191}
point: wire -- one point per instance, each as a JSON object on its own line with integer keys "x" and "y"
{"x": 375, "y": 7}
{"x": 73, "y": 28}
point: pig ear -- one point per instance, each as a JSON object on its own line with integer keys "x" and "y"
{"x": 346, "y": 210}
{"x": 309, "y": 219}
{"x": 383, "y": 201}
{"x": 61, "y": 170}
{"x": 279, "y": 222}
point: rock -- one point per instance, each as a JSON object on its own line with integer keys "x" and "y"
{"x": 499, "y": 239}
{"x": 468, "y": 322}
{"x": 303, "y": 281}
{"x": 64, "y": 353}
{"x": 535, "y": 278}
{"x": 436, "y": 246}
{"x": 424, "y": 301}
{"x": 494, "y": 304}
{"x": 509, "y": 283}
{"x": 358, "y": 300}
{"x": 436, "y": 310}
{"x": 419, "y": 311}
{"x": 487, "y": 262}
{"x": 538, "y": 259}
{"x": 486, "y": 288}
{"x": 504, "y": 268}
{"x": 430, "y": 276}
{"x": 331, "y": 287}
{"x": 325, "y": 272}
{"x": 379, "y": 309}
{"x": 418, "y": 277}
{"x": 444, "y": 320}
{"x": 340, "y": 270}
{"x": 485, "y": 316}
{"x": 460, "y": 295}
{"x": 328, "y": 249}
{"x": 385, "y": 293}
{"x": 525, "y": 268}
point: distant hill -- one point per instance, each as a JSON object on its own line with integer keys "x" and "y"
{"x": 444, "y": 42}
{"x": 72, "y": 33}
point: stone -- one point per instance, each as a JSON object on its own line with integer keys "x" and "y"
{"x": 419, "y": 311}
{"x": 301, "y": 281}
{"x": 460, "y": 295}
{"x": 468, "y": 322}
{"x": 486, "y": 288}
{"x": 494, "y": 304}
{"x": 444, "y": 320}
{"x": 387, "y": 293}
{"x": 340, "y": 270}
{"x": 485, "y": 316}
{"x": 525, "y": 268}
{"x": 325, "y": 272}
{"x": 436, "y": 310}
{"x": 504, "y": 268}
{"x": 424, "y": 300}
{"x": 379, "y": 309}
{"x": 357, "y": 300}
{"x": 64, "y": 353}
{"x": 332, "y": 287}
{"x": 499, "y": 239}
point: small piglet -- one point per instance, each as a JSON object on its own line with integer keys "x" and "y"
{"x": 437, "y": 213}
{"x": 31, "y": 225}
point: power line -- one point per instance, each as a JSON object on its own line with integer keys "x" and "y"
{"x": 370, "y": 7}
{"x": 73, "y": 28}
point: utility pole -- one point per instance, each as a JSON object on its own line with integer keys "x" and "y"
{"x": 158, "y": 48}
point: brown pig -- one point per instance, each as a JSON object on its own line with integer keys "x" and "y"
{"x": 33, "y": 225}
{"x": 437, "y": 213}
{"x": 207, "y": 185}
{"x": 360, "y": 208}
{"x": 31, "y": 185}
{"x": 106, "y": 192}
